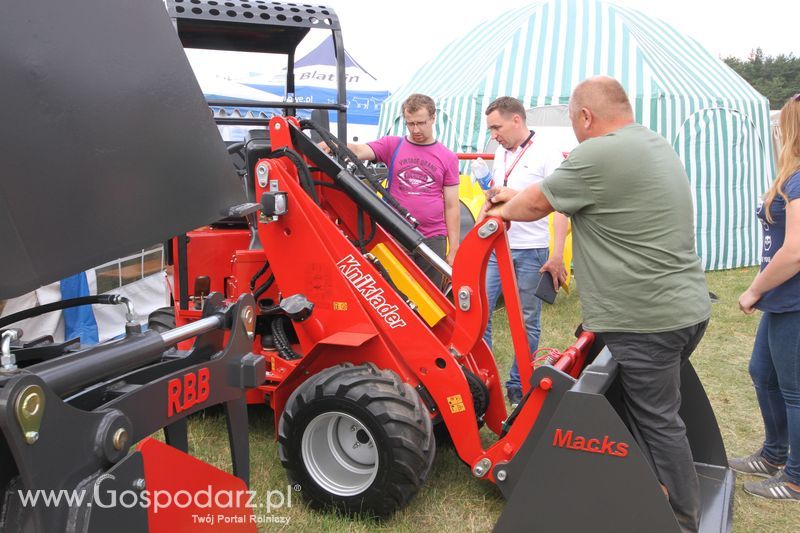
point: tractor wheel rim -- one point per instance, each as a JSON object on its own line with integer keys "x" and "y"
{"x": 340, "y": 453}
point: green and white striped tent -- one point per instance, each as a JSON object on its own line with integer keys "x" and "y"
{"x": 718, "y": 124}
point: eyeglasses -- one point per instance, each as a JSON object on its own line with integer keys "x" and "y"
{"x": 412, "y": 125}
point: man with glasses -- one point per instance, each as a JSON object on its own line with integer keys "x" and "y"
{"x": 423, "y": 178}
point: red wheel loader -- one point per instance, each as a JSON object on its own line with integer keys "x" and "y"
{"x": 332, "y": 323}
{"x": 366, "y": 357}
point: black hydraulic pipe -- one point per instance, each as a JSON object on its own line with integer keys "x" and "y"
{"x": 183, "y": 271}
{"x": 107, "y": 299}
{"x": 71, "y": 372}
{"x": 340, "y": 148}
{"x": 248, "y": 121}
{"x": 235, "y": 147}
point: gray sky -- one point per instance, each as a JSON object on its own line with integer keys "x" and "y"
{"x": 393, "y": 39}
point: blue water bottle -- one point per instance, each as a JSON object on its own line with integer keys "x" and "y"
{"x": 482, "y": 174}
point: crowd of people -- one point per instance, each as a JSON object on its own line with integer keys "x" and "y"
{"x": 642, "y": 285}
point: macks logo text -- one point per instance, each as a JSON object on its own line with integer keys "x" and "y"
{"x": 566, "y": 439}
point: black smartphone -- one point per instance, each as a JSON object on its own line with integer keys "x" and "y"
{"x": 545, "y": 290}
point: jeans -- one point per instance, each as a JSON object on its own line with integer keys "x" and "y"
{"x": 775, "y": 369}
{"x": 527, "y": 263}
{"x": 650, "y": 372}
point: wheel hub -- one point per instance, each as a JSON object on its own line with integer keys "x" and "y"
{"x": 339, "y": 453}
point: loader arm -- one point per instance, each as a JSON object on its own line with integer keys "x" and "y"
{"x": 426, "y": 355}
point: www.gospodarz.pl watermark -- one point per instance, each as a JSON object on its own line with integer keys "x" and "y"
{"x": 196, "y": 500}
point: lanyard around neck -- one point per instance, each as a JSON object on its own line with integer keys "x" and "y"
{"x": 525, "y": 145}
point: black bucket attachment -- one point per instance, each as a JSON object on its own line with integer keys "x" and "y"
{"x": 581, "y": 468}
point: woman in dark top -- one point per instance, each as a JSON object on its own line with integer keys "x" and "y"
{"x": 775, "y": 363}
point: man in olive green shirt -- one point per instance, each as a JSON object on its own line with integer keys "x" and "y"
{"x": 641, "y": 283}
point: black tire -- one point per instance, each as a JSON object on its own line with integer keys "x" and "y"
{"x": 162, "y": 319}
{"x": 369, "y": 407}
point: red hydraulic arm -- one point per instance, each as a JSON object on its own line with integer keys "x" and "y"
{"x": 359, "y": 318}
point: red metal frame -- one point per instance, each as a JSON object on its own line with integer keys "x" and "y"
{"x": 359, "y": 318}
{"x": 191, "y": 495}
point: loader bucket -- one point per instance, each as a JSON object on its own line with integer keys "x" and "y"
{"x": 582, "y": 469}
{"x": 138, "y": 158}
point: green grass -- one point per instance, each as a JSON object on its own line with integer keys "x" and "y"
{"x": 452, "y": 500}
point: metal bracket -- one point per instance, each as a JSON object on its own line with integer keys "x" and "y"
{"x": 29, "y": 409}
{"x": 262, "y": 171}
{"x": 488, "y": 229}
{"x": 482, "y": 467}
{"x": 464, "y": 297}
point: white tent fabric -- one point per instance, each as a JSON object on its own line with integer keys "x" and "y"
{"x": 716, "y": 122}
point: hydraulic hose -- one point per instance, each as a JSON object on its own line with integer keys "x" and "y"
{"x": 302, "y": 169}
{"x": 263, "y": 288}
{"x": 235, "y": 147}
{"x": 105, "y": 299}
{"x": 258, "y": 275}
{"x": 282, "y": 340}
{"x": 363, "y": 241}
{"x": 339, "y": 147}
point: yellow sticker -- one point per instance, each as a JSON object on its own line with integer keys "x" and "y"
{"x": 456, "y": 403}
{"x": 340, "y": 306}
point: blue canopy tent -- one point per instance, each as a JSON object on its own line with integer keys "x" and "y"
{"x": 315, "y": 82}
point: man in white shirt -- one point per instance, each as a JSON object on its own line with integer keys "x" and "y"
{"x": 522, "y": 159}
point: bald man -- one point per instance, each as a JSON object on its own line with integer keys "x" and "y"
{"x": 642, "y": 287}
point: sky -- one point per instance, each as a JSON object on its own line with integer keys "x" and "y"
{"x": 391, "y": 40}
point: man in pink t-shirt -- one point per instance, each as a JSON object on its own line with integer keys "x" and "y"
{"x": 423, "y": 178}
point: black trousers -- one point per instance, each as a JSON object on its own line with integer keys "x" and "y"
{"x": 650, "y": 370}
